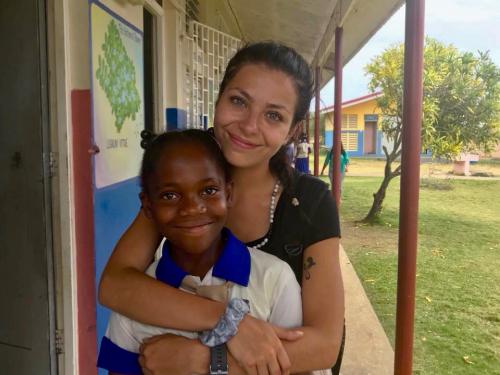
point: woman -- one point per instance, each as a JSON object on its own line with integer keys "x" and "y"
{"x": 264, "y": 96}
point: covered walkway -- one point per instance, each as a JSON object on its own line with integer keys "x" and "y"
{"x": 367, "y": 348}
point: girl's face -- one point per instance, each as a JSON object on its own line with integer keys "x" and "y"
{"x": 188, "y": 198}
{"x": 254, "y": 115}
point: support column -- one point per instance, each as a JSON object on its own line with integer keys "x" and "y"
{"x": 410, "y": 178}
{"x": 316, "y": 120}
{"x": 308, "y": 120}
{"x": 337, "y": 116}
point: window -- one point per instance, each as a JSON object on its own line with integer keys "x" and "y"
{"x": 350, "y": 140}
{"x": 349, "y": 122}
{"x": 207, "y": 52}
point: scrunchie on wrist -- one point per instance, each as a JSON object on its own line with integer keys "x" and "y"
{"x": 227, "y": 326}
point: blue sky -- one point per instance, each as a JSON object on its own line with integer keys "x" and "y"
{"x": 470, "y": 25}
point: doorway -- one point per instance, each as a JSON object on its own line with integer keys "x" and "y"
{"x": 370, "y": 138}
{"x": 27, "y": 333}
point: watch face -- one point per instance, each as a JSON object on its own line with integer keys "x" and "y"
{"x": 218, "y": 360}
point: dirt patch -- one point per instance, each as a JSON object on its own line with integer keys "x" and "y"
{"x": 370, "y": 238}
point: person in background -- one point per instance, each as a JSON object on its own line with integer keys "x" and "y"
{"x": 344, "y": 162}
{"x": 302, "y": 157}
{"x": 290, "y": 153}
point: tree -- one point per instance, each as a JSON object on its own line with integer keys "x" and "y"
{"x": 461, "y": 104}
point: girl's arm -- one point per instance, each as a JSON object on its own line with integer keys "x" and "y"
{"x": 323, "y": 309}
{"x": 126, "y": 289}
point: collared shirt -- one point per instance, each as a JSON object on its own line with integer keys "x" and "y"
{"x": 267, "y": 282}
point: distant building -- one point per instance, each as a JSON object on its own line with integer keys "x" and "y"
{"x": 361, "y": 134}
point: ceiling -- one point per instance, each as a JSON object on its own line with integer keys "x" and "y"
{"x": 309, "y": 25}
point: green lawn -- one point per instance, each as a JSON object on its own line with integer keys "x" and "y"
{"x": 457, "y": 321}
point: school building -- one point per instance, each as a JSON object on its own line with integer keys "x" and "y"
{"x": 361, "y": 134}
{"x": 81, "y": 80}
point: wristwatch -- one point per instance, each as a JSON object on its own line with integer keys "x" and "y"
{"x": 218, "y": 360}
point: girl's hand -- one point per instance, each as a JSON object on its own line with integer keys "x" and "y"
{"x": 173, "y": 355}
{"x": 257, "y": 347}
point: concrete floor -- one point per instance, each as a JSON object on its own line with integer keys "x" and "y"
{"x": 367, "y": 348}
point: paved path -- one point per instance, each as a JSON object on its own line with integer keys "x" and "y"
{"x": 367, "y": 350}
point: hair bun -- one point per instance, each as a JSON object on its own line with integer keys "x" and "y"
{"x": 147, "y": 137}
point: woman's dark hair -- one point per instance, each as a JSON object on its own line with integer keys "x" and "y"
{"x": 157, "y": 145}
{"x": 284, "y": 59}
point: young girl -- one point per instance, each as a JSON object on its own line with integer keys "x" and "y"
{"x": 186, "y": 193}
{"x": 302, "y": 158}
{"x": 265, "y": 94}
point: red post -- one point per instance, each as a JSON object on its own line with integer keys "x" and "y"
{"x": 410, "y": 178}
{"x": 308, "y": 118}
{"x": 337, "y": 115}
{"x": 316, "y": 120}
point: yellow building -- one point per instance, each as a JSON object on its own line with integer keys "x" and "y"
{"x": 361, "y": 134}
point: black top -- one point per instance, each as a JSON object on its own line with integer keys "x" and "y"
{"x": 297, "y": 226}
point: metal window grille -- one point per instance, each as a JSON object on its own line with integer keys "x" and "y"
{"x": 192, "y": 10}
{"x": 207, "y": 52}
{"x": 349, "y": 121}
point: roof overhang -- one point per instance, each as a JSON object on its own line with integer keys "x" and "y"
{"x": 309, "y": 26}
{"x": 353, "y": 102}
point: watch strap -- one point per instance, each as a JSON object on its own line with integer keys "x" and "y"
{"x": 218, "y": 360}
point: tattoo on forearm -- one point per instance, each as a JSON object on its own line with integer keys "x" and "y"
{"x": 307, "y": 266}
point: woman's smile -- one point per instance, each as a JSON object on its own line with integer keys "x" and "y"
{"x": 254, "y": 114}
{"x": 241, "y": 142}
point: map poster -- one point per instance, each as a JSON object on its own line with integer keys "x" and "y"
{"x": 117, "y": 96}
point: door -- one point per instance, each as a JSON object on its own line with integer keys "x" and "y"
{"x": 26, "y": 293}
{"x": 370, "y": 137}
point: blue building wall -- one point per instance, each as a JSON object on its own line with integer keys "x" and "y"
{"x": 176, "y": 118}
{"x": 360, "y": 140}
{"x": 115, "y": 207}
{"x": 378, "y": 149}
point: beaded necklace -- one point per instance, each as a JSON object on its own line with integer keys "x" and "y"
{"x": 272, "y": 207}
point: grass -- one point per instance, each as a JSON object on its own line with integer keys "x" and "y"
{"x": 457, "y": 320}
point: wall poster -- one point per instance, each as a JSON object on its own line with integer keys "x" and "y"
{"x": 117, "y": 96}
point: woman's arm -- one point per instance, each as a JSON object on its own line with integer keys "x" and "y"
{"x": 126, "y": 289}
{"x": 323, "y": 309}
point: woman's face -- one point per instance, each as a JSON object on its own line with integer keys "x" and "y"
{"x": 254, "y": 115}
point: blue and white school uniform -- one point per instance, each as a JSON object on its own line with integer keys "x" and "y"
{"x": 267, "y": 282}
{"x": 302, "y": 157}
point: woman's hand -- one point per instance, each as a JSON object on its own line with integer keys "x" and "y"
{"x": 257, "y": 347}
{"x": 173, "y": 355}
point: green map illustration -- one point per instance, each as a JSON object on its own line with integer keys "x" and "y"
{"x": 116, "y": 76}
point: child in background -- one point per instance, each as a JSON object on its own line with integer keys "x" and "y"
{"x": 302, "y": 155}
{"x": 186, "y": 192}
{"x": 344, "y": 161}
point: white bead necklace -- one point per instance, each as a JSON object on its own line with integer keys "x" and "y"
{"x": 272, "y": 208}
